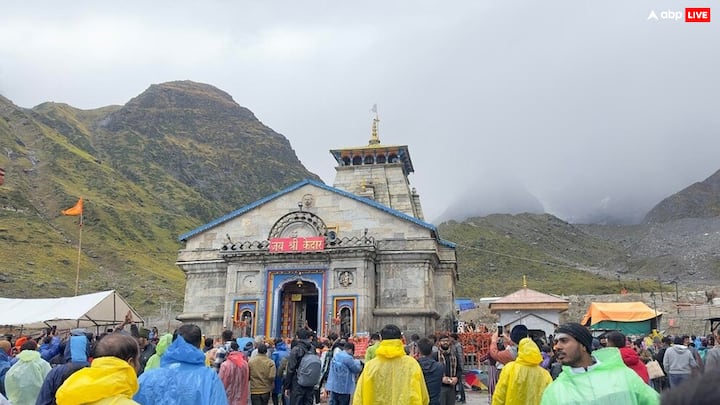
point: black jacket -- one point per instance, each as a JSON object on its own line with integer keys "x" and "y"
{"x": 433, "y": 372}
{"x": 296, "y": 354}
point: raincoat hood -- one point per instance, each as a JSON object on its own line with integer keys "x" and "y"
{"x": 238, "y": 358}
{"x": 391, "y": 378}
{"x": 78, "y": 332}
{"x": 522, "y": 381}
{"x": 528, "y": 353}
{"x": 181, "y": 351}
{"x": 390, "y": 348}
{"x": 609, "y": 380}
{"x": 28, "y": 355}
{"x": 163, "y": 344}
{"x": 629, "y": 356}
{"x": 281, "y": 346}
{"x": 105, "y": 378}
{"x": 609, "y": 356}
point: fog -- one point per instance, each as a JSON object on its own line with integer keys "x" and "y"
{"x": 583, "y": 109}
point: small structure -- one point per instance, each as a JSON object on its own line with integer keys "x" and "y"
{"x": 97, "y": 310}
{"x": 538, "y": 311}
{"x": 630, "y": 318}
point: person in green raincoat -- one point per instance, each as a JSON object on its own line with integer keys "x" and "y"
{"x": 163, "y": 343}
{"x": 593, "y": 379}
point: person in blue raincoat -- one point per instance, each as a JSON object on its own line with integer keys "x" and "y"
{"x": 281, "y": 352}
{"x": 183, "y": 378}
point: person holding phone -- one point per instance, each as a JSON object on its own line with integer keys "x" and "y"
{"x": 503, "y": 347}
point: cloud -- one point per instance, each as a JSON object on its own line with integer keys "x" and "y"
{"x": 583, "y": 108}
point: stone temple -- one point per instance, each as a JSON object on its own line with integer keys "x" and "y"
{"x": 348, "y": 258}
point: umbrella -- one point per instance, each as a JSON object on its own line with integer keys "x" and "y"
{"x": 476, "y": 379}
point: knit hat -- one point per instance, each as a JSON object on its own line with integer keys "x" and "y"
{"x": 577, "y": 331}
{"x": 144, "y": 333}
{"x": 518, "y": 333}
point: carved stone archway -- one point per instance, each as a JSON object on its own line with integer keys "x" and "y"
{"x": 298, "y": 224}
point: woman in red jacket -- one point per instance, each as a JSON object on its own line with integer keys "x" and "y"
{"x": 629, "y": 355}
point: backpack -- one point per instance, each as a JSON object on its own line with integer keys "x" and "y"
{"x": 326, "y": 365}
{"x": 309, "y": 371}
{"x": 282, "y": 368}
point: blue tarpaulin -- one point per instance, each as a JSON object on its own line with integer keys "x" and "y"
{"x": 464, "y": 304}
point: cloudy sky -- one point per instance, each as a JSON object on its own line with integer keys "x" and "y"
{"x": 584, "y": 109}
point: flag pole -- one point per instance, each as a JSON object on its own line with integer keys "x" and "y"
{"x": 77, "y": 272}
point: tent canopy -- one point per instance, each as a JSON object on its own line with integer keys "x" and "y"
{"x": 91, "y": 310}
{"x": 618, "y": 311}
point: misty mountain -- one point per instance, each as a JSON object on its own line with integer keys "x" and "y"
{"x": 504, "y": 194}
{"x": 699, "y": 200}
{"x": 169, "y": 160}
{"x": 496, "y": 194}
{"x": 183, "y": 153}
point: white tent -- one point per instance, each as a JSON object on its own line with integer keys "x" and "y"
{"x": 104, "y": 308}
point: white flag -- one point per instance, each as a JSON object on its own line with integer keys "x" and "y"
{"x": 374, "y": 109}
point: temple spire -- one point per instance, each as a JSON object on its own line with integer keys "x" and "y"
{"x": 374, "y": 138}
{"x": 524, "y": 281}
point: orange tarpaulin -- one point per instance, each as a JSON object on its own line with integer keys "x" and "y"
{"x": 618, "y": 311}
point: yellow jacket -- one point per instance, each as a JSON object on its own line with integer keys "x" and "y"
{"x": 391, "y": 378}
{"x": 522, "y": 381}
{"x": 108, "y": 380}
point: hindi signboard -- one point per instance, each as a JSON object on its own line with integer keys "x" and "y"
{"x": 300, "y": 244}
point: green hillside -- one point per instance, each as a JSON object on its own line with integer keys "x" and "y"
{"x": 173, "y": 158}
{"x": 494, "y": 253}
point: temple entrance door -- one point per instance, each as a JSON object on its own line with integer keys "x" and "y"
{"x": 299, "y": 307}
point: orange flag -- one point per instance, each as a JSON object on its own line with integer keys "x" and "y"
{"x": 77, "y": 209}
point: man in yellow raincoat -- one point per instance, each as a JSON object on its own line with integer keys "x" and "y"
{"x": 111, "y": 377}
{"x": 392, "y": 377}
{"x": 522, "y": 381}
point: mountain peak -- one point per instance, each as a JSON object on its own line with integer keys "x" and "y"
{"x": 700, "y": 200}
{"x": 195, "y": 106}
{"x": 181, "y": 94}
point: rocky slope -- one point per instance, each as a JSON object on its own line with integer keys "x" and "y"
{"x": 700, "y": 200}
{"x": 176, "y": 156}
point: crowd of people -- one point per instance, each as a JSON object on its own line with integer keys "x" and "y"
{"x": 184, "y": 367}
{"x": 573, "y": 367}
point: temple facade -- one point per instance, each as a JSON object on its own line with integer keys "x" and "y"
{"x": 348, "y": 258}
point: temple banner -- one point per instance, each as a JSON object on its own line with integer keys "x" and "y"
{"x": 309, "y": 244}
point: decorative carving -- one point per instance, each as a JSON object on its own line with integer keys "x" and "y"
{"x": 249, "y": 281}
{"x": 308, "y": 200}
{"x": 345, "y": 278}
{"x": 298, "y": 224}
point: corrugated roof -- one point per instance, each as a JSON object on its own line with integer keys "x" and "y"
{"x": 372, "y": 203}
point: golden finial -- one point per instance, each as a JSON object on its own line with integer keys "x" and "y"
{"x": 524, "y": 281}
{"x": 374, "y": 139}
